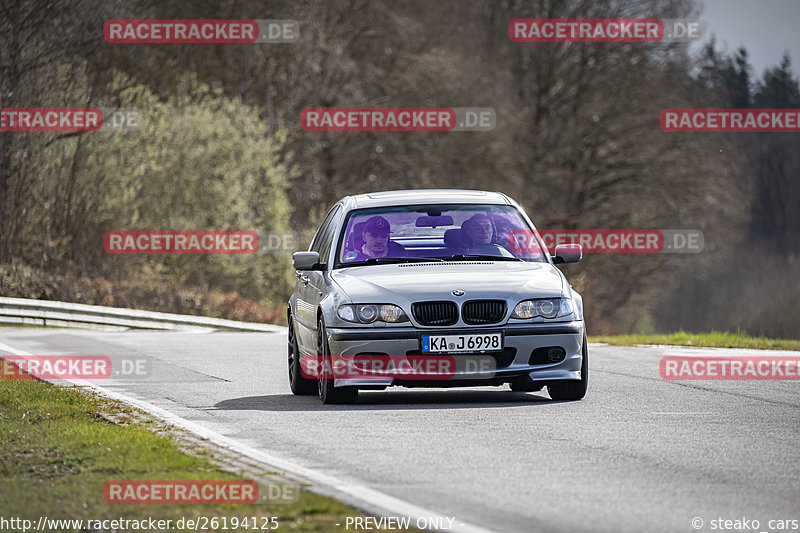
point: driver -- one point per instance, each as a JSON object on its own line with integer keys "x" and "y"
{"x": 376, "y": 237}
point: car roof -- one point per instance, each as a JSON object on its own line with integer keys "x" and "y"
{"x": 424, "y": 196}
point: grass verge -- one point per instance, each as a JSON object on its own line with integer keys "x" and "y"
{"x": 57, "y": 453}
{"x": 715, "y": 339}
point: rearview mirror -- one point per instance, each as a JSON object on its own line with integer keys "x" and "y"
{"x": 568, "y": 253}
{"x": 306, "y": 260}
{"x": 434, "y": 221}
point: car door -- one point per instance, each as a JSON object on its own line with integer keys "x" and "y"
{"x": 310, "y": 285}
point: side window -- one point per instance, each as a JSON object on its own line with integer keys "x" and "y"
{"x": 318, "y": 238}
{"x": 328, "y": 236}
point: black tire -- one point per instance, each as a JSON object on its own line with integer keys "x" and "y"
{"x": 327, "y": 392}
{"x": 575, "y": 389}
{"x": 300, "y": 385}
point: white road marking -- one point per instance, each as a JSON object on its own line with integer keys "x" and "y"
{"x": 702, "y": 351}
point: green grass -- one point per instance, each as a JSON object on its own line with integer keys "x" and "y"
{"x": 57, "y": 452}
{"x": 716, "y": 339}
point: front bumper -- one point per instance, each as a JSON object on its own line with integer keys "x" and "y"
{"x": 517, "y": 359}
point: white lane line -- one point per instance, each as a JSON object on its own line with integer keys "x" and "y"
{"x": 356, "y": 495}
{"x": 675, "y": 349}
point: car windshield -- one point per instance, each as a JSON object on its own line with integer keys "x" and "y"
{"x": 437, "y": 233}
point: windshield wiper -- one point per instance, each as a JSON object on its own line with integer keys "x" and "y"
{"x": 484, "y": 257}
{"x": 389, "y": 260}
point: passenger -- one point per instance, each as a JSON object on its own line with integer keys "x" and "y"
{"x": 479, "y": 229}
{"x": 480, "y": 232}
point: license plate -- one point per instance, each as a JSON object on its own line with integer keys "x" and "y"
{"x": 486, "y": 342}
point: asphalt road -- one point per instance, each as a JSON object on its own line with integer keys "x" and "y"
{"x": 637, "y": 454}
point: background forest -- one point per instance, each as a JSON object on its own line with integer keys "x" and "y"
{"x": 577, "y": 142}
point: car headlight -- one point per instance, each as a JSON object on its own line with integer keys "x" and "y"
{"x": 544, "y": 307}
{"x": 369, "y": 313}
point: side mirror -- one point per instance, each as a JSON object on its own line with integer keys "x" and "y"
{"x": 568, "y": 253}
{"x": 305, "y": 260}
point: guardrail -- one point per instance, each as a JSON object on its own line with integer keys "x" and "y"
{"x": 50, "y": 313}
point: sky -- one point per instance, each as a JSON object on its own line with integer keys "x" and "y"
{"x": 766, "y": 28}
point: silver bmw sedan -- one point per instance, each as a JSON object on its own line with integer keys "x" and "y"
{"x": 433, "y": 288}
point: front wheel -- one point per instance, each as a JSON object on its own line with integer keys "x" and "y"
{"x": 300, "y": 385}
{"x": 575, "y": 389}
{"x": 327, "y": 392}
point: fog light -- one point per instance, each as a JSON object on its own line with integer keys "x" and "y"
{"x": 556, "y": 354}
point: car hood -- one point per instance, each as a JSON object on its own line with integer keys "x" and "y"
{"x": 404, "y": 283}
